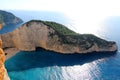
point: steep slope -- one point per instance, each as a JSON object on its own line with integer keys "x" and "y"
{"x": 55, "y": 37}
{"x": 8, "y": 18}
{"x": 3, "y": 73}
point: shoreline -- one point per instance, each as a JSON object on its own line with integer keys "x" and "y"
{"x": 10, "y": 52}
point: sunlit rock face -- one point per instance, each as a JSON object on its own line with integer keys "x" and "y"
{"x": 3, "y": 72}
{"x": 0, "y": 26}
{"x": 55, "y": 37}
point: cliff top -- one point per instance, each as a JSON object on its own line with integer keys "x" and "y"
{"x": 61, "y": 29}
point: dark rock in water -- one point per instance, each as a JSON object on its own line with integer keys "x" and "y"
{"x": 8, "y": 18}
{"x": 55, "y": 37}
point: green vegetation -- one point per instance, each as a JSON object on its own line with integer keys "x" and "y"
{"x": 8, "y": 18}
{"x": 86, "y": 41}
{"x": 61, "y": 29}
{"x": 70, "y": 37}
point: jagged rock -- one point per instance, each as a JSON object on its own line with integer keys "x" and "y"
{"x": 55, "y": 37}
{"x": 3, "y": 72}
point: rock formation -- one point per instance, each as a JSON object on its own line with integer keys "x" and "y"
{"x": 3, "y": 72}
{"x": 55, "y": 37}
{"x": 8, "y": 18}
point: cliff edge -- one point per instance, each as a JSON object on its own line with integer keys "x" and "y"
{"x": 3, "y": 72}
{"x": 55, "y": 37}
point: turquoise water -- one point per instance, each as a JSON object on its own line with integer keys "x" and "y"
{"x": 48, "y": 65}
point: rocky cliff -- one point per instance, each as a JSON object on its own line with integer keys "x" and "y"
{"x": 8, "y": 18}
{"x": 55, "y": 37}
{"x": 3, "y": 72}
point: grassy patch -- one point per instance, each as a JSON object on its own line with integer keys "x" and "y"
{"x": 70, "y": 37}
{"x": 61, "y": 29}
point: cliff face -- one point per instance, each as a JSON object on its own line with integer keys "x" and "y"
{"x": 3, "y": 72}
{"x": 42, "y": 34}
{"x": 8, "y": 18}
{"x": 0, "y": 25}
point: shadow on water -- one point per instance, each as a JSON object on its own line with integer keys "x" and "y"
{"x": 42, "y": 58}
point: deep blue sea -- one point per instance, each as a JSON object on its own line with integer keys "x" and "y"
{"x": 48, "y": 65}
